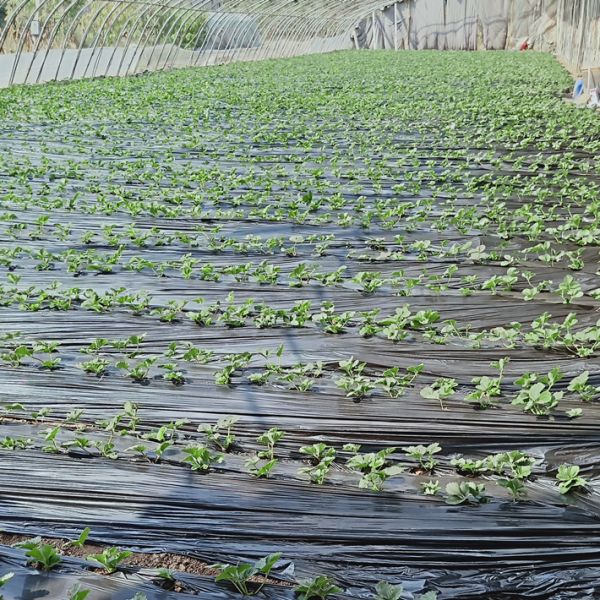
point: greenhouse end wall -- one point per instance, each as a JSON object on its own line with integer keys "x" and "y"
{"x": 568, "y": 28}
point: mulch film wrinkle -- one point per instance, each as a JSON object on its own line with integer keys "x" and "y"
{"x": 370, "y": 252}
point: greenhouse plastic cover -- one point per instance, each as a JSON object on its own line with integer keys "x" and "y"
{"x": 45, "y": 40}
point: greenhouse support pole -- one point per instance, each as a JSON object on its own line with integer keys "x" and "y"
{"x": 374, "y": 32}
{"x": 580, "y": 51}
{"x": 395, "y": 26}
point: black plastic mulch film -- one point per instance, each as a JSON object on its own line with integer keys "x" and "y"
{"x": 543, "y": 547}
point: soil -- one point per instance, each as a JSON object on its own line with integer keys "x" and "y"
{"x": 144, "y": 560}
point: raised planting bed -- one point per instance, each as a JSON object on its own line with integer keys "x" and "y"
{"x": 317, "y": 328}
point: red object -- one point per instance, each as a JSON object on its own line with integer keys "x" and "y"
{"x": 524, "y": 46}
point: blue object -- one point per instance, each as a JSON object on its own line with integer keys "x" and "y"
{"x": 579, "y": 88}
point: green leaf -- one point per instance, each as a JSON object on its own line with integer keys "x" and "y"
{"x": 266, "y": 564}
{"x": 387, "y": 591}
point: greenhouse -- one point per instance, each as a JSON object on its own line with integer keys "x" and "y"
{"x": 300, "y": 299}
